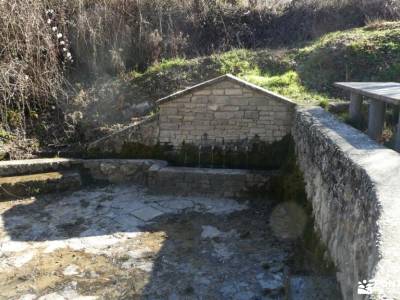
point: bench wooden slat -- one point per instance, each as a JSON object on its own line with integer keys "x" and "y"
{"x": 388, "y": 92}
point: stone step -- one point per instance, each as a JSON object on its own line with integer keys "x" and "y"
{"x": 29, "y": 185}
{"x": 35, "y": 166}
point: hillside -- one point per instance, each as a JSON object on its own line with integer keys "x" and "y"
{"x": 303, "y": 74}
{"x": 51, "y": 101}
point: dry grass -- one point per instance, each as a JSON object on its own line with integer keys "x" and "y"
{"x": 30, "y": 70}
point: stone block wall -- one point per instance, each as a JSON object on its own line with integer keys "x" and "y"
{"x": 209, "y": 182}
{"x": 156, "y": 175}
{"x": 354, "y": 187}
{"x": 224, "y": 111}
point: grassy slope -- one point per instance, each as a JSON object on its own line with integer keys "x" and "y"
{"x": 306, "y": 75}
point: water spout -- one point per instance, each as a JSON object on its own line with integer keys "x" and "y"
{"x": 223, "y": 156}
{"x": 212, "y": 156}
{"x": 199, "y": 160}
{"x": 247, "y": 156}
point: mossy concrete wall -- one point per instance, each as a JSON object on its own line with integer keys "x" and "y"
{"x": 353, "y": 185}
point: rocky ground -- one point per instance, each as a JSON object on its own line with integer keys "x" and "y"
{"x": 119, "y": 242}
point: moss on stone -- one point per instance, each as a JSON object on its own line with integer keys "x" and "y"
{"x": 290, "y": 186}
{"x": 256, "y": 155}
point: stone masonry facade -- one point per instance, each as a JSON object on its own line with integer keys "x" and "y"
{"x": 353, "y": 184}
{"x": 225, "y": 110}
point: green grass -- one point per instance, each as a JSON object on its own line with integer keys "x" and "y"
{"x": 371, "y": 53}
{"x": 306, "y": 75}
{"x": 264, "y": 68}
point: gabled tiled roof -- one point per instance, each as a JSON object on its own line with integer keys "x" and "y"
{"x": 224, "y": 78}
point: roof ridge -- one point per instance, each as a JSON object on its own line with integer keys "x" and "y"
{"x": 221, "y": 78}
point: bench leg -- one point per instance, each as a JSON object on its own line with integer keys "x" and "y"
{"x": 376, "y": 119}
{"x": 397, "y": 140}
{"x": 355, "y": 108}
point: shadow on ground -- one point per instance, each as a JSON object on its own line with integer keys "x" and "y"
{"x": 120, "y": 243}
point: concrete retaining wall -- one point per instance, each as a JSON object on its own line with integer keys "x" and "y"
{"x": 354, "y": 187}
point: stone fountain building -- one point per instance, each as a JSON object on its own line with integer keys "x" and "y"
{"x": 225, "y": 109}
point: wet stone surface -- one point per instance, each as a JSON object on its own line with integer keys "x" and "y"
{"x": 119, "y": 242}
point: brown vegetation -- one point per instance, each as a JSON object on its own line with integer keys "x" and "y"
{"x": 114, "y": 36}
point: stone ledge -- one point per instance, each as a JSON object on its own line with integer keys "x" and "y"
{"x": 354, "y": 186}
{"x": 185, "y": 181}
{"x": 155, "y": 174}
{"x": 31, "y": 166}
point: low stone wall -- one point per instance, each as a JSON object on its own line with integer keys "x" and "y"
{"x": 32, "y": 166}
{"x": 354, "y": 187}
{"x": 154, "y": 174}
{"x": 208, "y": 182}
{"x": 120, "y": 170}
{"x": 145, "y": 132}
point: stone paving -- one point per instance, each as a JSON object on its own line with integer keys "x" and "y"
{"x": 118, "y": 242}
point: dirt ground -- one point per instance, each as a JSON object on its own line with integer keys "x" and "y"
{"x": 119, "y": 242}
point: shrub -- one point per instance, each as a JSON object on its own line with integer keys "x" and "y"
{"x": 30, "y": 68}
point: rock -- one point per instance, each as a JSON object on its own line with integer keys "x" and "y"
{"x": 23, "y": 259}
{"x": 3, "y": 154}
{"x": 28, "y": 297}
{"x": 244, "y": 295}
{"x": 210, "y": 232}
{"x": 272, "y": 284}
{"x": 142, "y": 108}
{"x": 147, "y": 213}
{"x": 71, "y": 270}
{"x": 52, "y": 296}
{"x": 313, "y": 287}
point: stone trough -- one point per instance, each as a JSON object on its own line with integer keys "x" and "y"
{"x": 153, "y": 231}
{"x": 139, "y": 229}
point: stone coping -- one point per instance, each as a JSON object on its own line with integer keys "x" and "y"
{"x": 133, "y": 127}
{"x": 371, "y": 207}
{"x": 222, "y": 78}
{"x": 32, "y": 166}
{"x": 216, "y": 171}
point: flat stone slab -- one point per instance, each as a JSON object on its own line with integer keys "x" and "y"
{"x": 30, "y": 185}
{"x": 385, "y": 91}
{"x": 312, "y": 287}
{"x": 119, "y": 242}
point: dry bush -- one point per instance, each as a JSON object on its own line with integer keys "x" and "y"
{"x": 30, "y": 69}
{"x": 112, "y": 36}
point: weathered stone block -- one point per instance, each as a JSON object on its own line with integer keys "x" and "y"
{"x": 213, "y": 107}
{"x": 203, "y": 92}
{"x": 233, "y": 92}
{"x": 251, "y": 115}
{"x": 229, "y": 108}
{"x": 223, "y": 115}
{"x": 169, "y": 111}
{"x": 218, "y": 92}
{"x": 199, "y": 99}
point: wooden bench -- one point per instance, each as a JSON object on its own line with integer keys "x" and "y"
{"x": 379, "y": 94}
